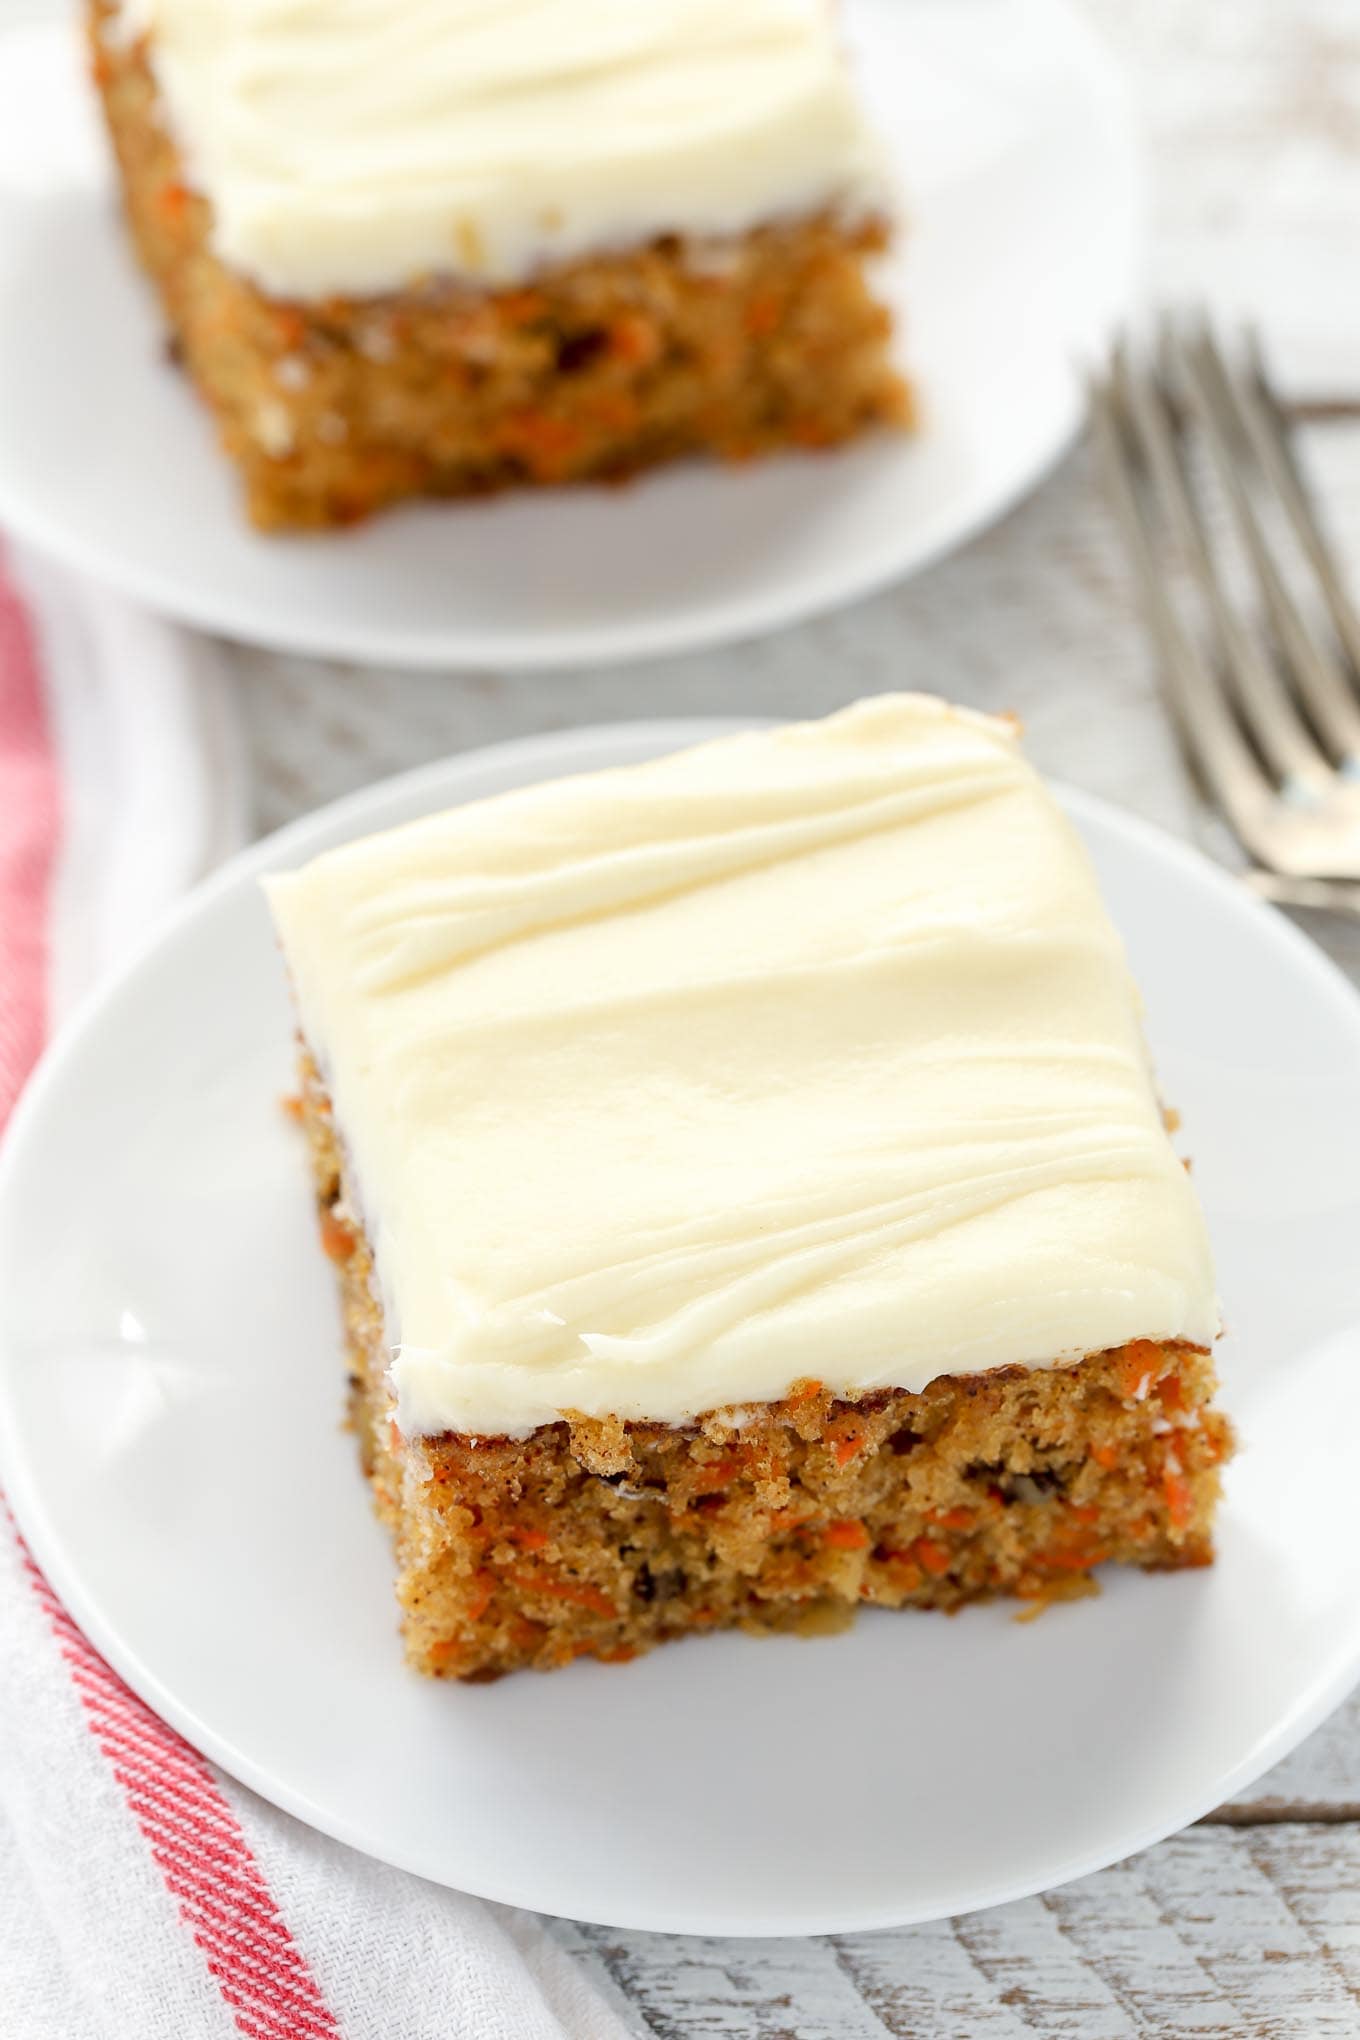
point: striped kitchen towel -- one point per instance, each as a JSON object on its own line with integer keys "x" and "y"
{"x": 143, "y": 1895}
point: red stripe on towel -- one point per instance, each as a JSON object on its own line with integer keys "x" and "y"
{"x": 29, "y": 821}
{"x": 198, "y": 1845}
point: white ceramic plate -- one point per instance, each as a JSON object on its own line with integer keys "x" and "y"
{"x": 1015, "y": 150}
{"x": 170, "y": 1394}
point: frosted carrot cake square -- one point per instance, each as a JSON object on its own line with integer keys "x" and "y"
{"x": 448, "y": 248}
{"x": 749, "y": 1195}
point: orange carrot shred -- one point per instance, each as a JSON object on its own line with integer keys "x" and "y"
{"x": 1073, "y": 1558}
{"x": 479, "y": 1600}
{"x": 789, "y": 1519}
{"x": 718, "y": 1474}
{"x": 1179, "y": 1500}
{"x": 1139, "y": 1366}
{"x": 952, "y": 1519}
{"x": 931, "y": 1555}
{"x": 337, "y": 1239}
{"x": 847, "y": 1536}
{"x": 634, "y": 338}
{"x": 575, "y": 1591}
{"x": 290, "y": 326}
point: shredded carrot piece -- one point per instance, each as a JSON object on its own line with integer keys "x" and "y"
{"x": 847, "y": 1446}
{"x": 173, "y": 199}
{"x": 1169, "y": 1393}
{"x": 1074, "y": 1559}
{"x": 1106, "y": 1456}
{"x": 521, "y": 307}
{"x": 1085, "y": 1512}
{"x": 291, "y": 1107}
{"x": 718, "y": 1474}
{"x": 806, "y": 1390}
{"x": 1139, "y": 1366}
{"x": 846, "y": 1536}
{"x": 623, "y": 1655}
{"x": 952, "y": 1519}
{"x": 612, "y": 412}
{"x": 1179, "y": 1500}
{"x": 290, "y": 326}
{"x": 634, "y": 338}
{"x": 532, "y": 1540}
{"x": 479, "y": 1600}
{"x": 762, "y": 316}
{"x": 813, "y": 433}
{"x": 337, "y": 1239}
{"x": 932, "y": 1556}
{"x": 789, "y": 1519}
{"x": 545, "y": 442}
{"x": 575, "y": 1591}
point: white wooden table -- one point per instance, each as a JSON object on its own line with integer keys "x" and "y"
{"x": 1248, "y": 1924}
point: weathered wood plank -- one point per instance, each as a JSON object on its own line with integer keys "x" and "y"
{"x": 703, "y": 1988}
{"x": 1252, "y": 111}
{"x": 1219, "y": 1932}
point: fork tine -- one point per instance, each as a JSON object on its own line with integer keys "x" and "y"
{"x": 1271, "y": 443}
{"x": 1214, "y": 746}
{"x": 1229, "y": 410}
{"x": 1286, "y": 745}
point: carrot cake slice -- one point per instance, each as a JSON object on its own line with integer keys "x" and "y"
{"x": 444, "y": 248}
{"x": 749, "y": 1195}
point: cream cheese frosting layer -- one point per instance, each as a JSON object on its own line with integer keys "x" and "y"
{"x": 357, "y": 146}
{"x": 807, "y": 1052}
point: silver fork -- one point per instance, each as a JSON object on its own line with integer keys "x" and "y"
{"x": 1266, "y": 705}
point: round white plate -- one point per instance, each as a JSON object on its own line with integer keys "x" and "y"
{"x": 170, "y": 1392}
{"x": 1014, "y": 148}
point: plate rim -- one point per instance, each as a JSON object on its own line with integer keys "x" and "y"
{"x": 733, "y": 620}
{"x": 443, "y": 777}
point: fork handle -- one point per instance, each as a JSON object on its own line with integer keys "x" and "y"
{"x": 1326, "y": 895}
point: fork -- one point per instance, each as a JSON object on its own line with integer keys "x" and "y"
{"x": 1264, "y": 697}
